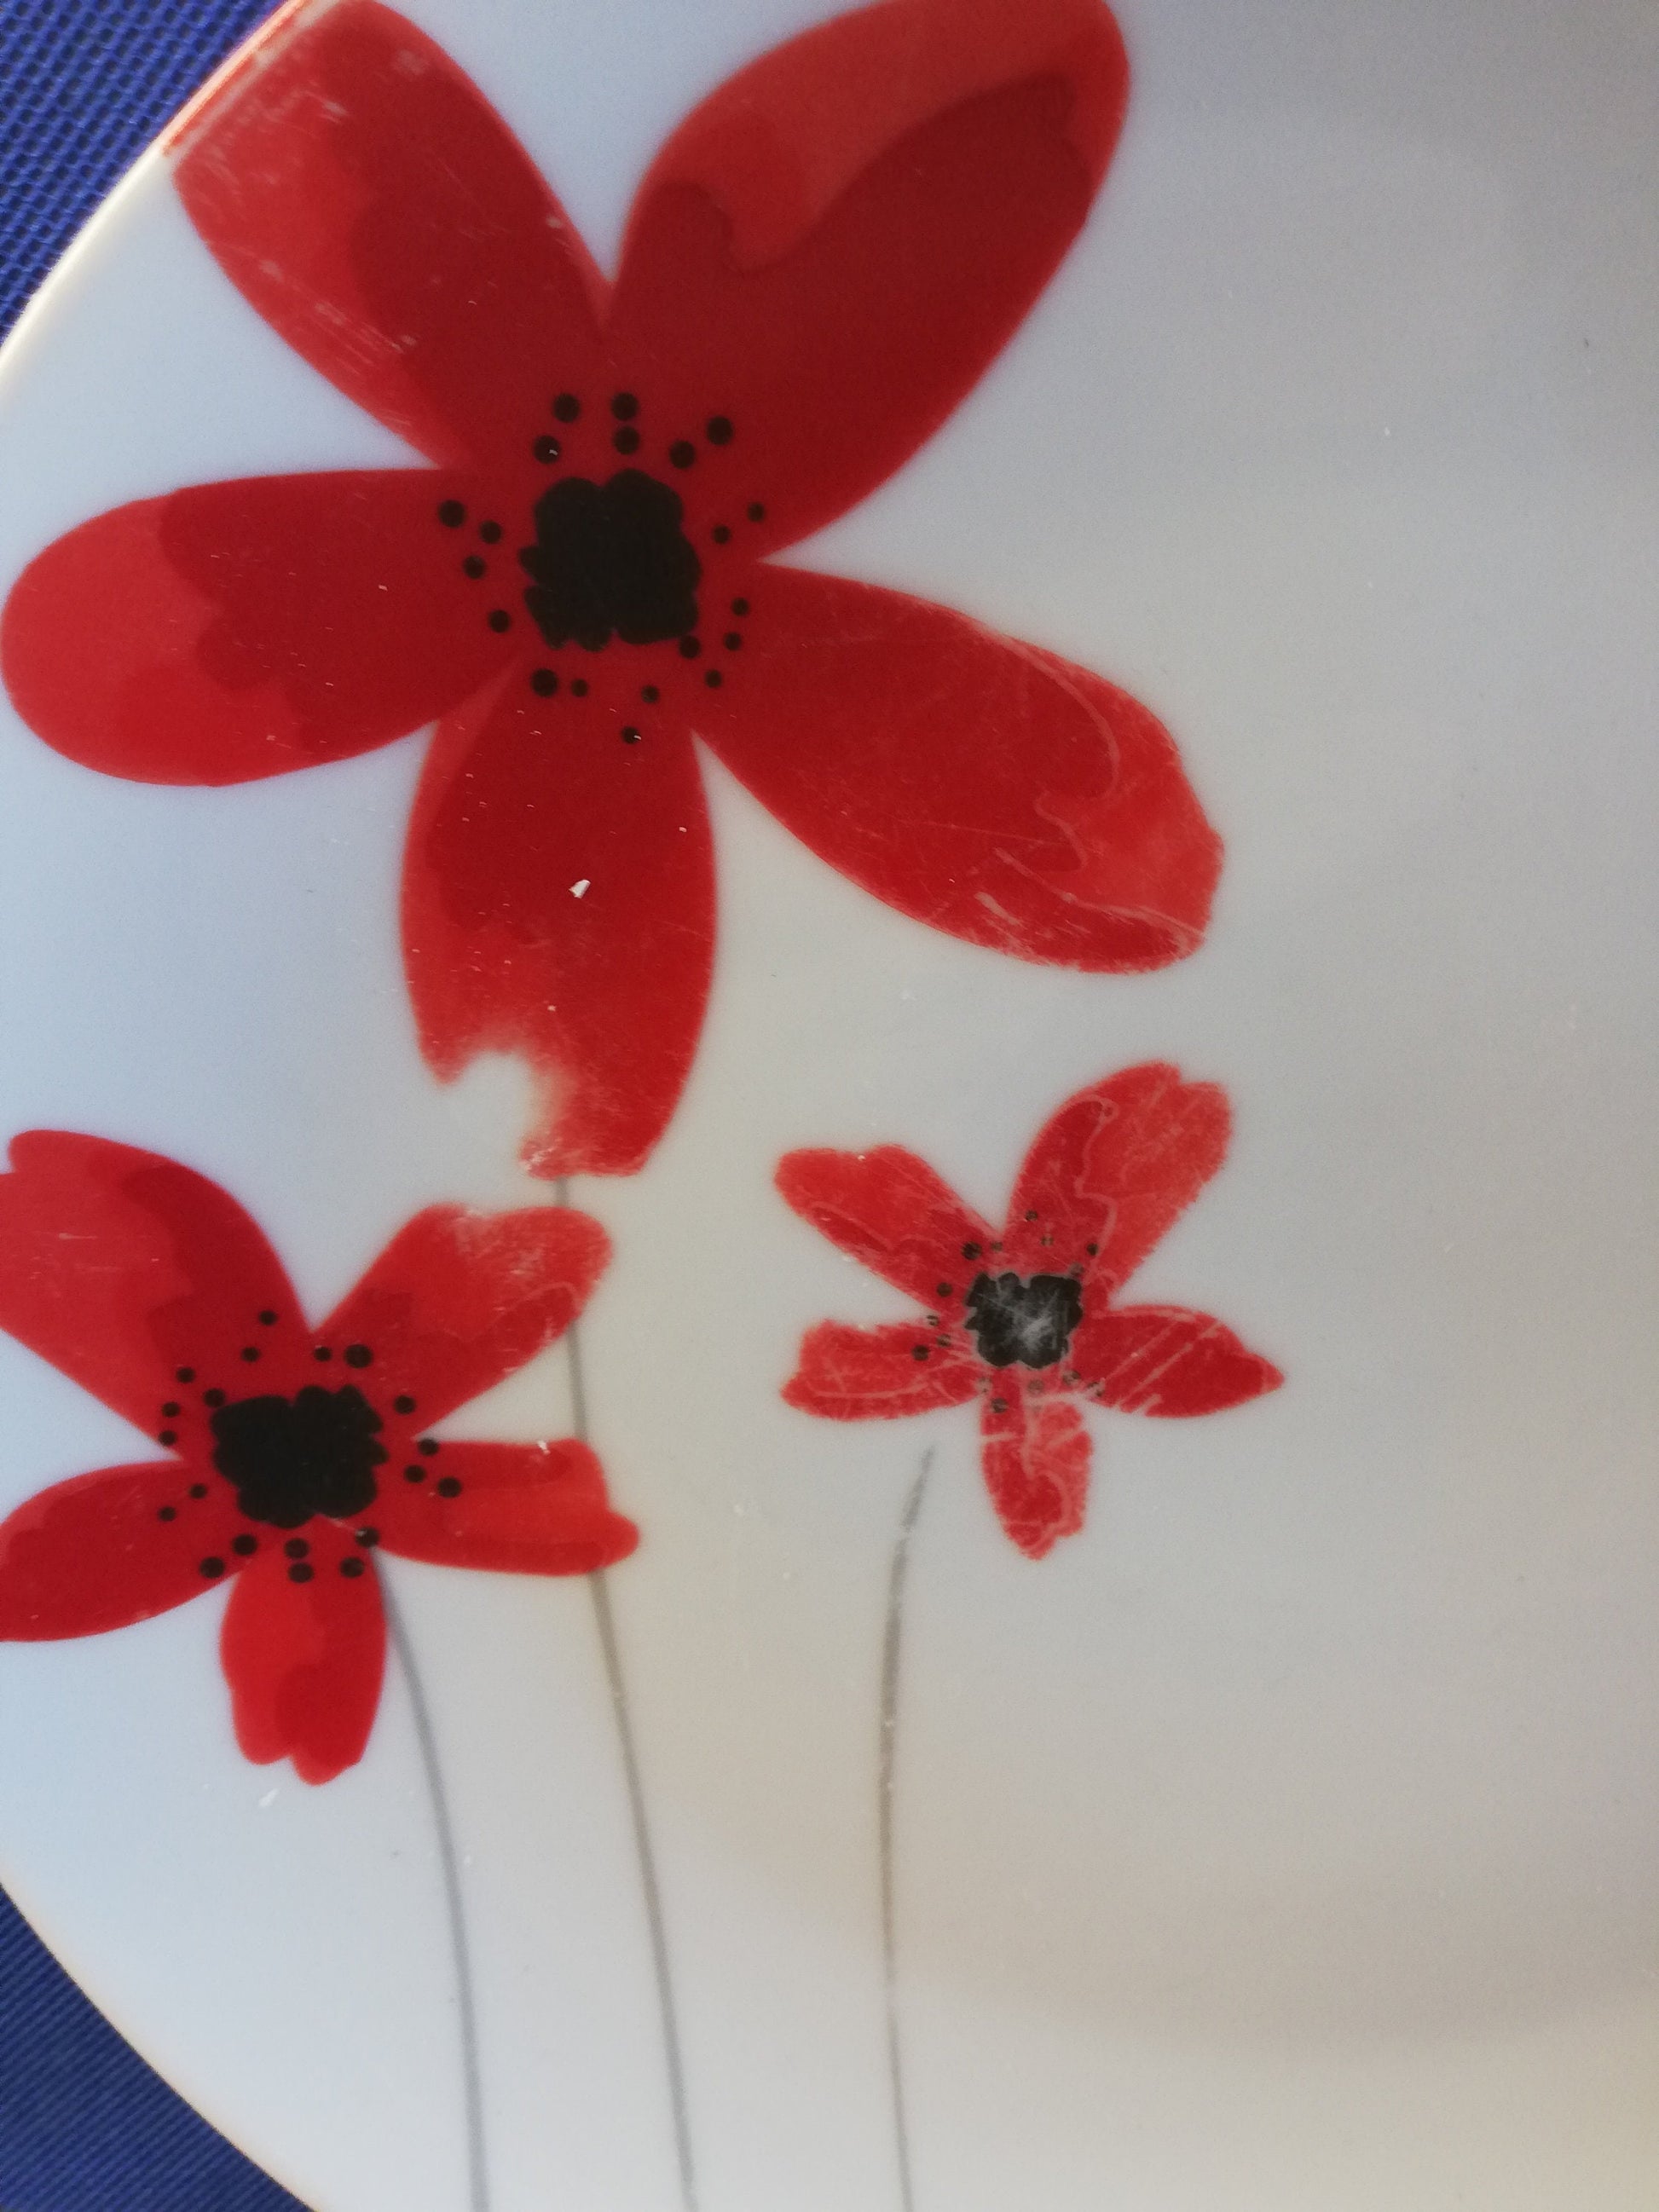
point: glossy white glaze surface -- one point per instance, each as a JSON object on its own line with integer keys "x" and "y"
{"x": 1288, "y": 1841}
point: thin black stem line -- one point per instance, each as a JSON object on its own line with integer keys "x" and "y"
{"x": 892, "y": 1650}
{"x": 610, "y": 1651}
{"x": 477, "y": 2167}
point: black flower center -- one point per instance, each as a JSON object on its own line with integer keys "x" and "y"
{"x": 290, "y": 1458}
{"x": 1029, "y": 1321}
{"x": 611, "y": 560}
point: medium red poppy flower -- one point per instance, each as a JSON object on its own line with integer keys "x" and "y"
{"x": 1025, "y": 1320}
{"x": 295, "y": 1454}
{"x": 820, "y": 263}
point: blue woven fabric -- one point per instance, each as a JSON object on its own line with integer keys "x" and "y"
{"x": 85, "y": 2126}
{"x": 84, "y": 86}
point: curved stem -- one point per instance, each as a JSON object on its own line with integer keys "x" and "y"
{"x": 610, "y": 1651}
{"x": 471, "y": 2077}
{"x": 891, "y": 1653}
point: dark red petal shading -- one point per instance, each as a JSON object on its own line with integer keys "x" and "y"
{"x": 369, "y": 204}
{"x": 1162, "y": 1359}
{"x": 305, "y": 1660}
{"x": 242, "y": 629}
{"x": 559, "y": 904}
{"x": 975, "y": 784}
{"x": 850, "y": 1374}
{"x": 890, "y": 1210}
{"x": 832, "y": 249}
{"x": 1036, "y": 1456}
{"x": 91, "y": 1553}
{"x": 120, "y": 1268}
{"x": 1117, "y": 1166}
{"x": 458, "y": 1300}
{"x": 521, "y": 1509}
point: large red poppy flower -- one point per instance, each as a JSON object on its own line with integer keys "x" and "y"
{"x": 1025, "y": 1319}
{"x": 819, "y": 264}
{"x": 293, "y": 1453}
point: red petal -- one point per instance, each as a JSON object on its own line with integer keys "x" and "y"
{"x": 123, "y": 1268}
{"x": 1115, "y": 1168}
{"x": 242, "y": 629}
{"x": 1036, "y": 1454}
{"x": 1161, "y": 1359}
{"x": 559, "y": 903}
{"x": 850, "y": 1374}
{"x": 304, "y": 1659}
{"x": 832, "y": 249}
{"x": 458, "y": 1300}
{"x": 369, "y": 204}
{"x": 890, "y": 1210}
{"x": 521, "y": 1509}
{"x": 974, "y": 783}
{"x": 94, "y": 1553}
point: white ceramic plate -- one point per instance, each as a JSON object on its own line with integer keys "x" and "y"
{"x": 1288, "y": 1839}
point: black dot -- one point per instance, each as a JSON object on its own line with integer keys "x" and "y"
{"x": 718, "y": 430}
{"x": 198, "y": 1490}
{"x": 733, "y": 640}
{"x": 171, "y": 1410}
{"x": 918, "y": 1351}
{"x": 322, "y": 1353}
{"x": 184, "y": 1374}
{"x": 369, "y": 1538}
{"x": 499, "y": 619}
{"x": 944, "y": 1290}
{"x": 721, "y": 534}
{"x": 449, "y": 1487}
{"x": 245, "y": 1546}
{"x": 167, "y": 1437}
{"x": 547, "y": 449}
{"x": 351, "y": 1568}
{"x": 250, "y": 1352}
{"x": 970, "y": 1251}
{"x": 451, "y": 514}
{"x": 713, "y": 679}
{"x": 650, "y": 695}
{"x": 474, "y": 566}
{"x": 358, "y": 1355}
{"x": 413, "y": 1474}
{"x": 1031, "y": 1213}
{"x": 625, "y": 441}
{"x": 543, "y": 682}
{"x": 757, "y": 512}
{"x": 213, "y": 1397}
{"x": 267, "y": 1319}
{"x": 999, "y": 1405}
{"x": 1093, "y": 1250}
{"x": 301, "y": 1573}
{"x": 490, "y": 532}
{"x": 427, "y": 1445}
{"x": 567, "y": 407}
{"x": 739, "y": 606}
{"x": 212, "y": 1568}
{"x": 297, "y": 1548}
{"x": 682, "y": 452}
{"x": 403, "y": 1403}
{"x": 630, "y": 736}
{"x": 624, "y": 406}
{"x": 167, "y": 1513}
{"x": 690, "y": 647}
{"x": 579, "y": 688}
